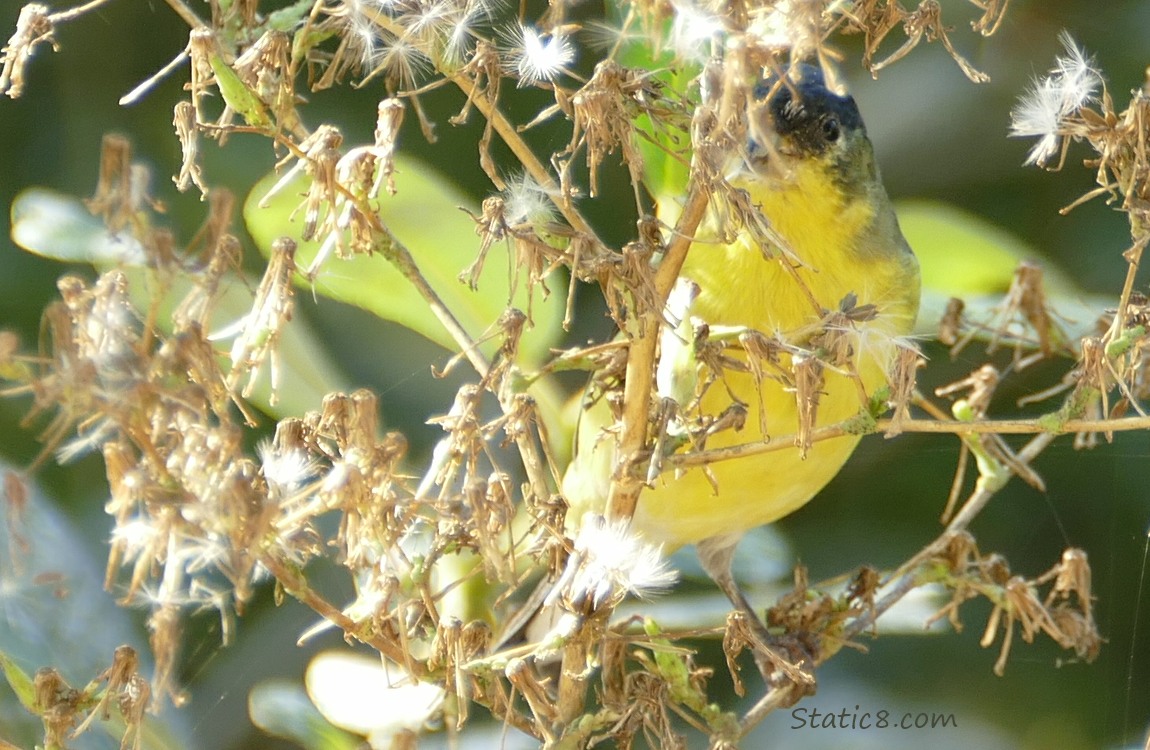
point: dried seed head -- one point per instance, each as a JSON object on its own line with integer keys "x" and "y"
{"x": 34, "y": 26}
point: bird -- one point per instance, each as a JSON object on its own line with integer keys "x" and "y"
{"x": 809, "y": 169}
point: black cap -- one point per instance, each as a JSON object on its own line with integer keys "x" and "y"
{"x": 806, "y": 112}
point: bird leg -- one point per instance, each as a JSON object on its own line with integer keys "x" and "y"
{"x": 716, "y": 555}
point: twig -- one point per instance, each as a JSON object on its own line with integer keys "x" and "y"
{"x": 906, "y": 576}
{"x": 778, "y": 696}
{"x": 79, "y": 10}
{"x": 627, "y": 483}
{"x": 396, "y": 252}
{"x": 1020, "y": 426}
{"x": 507, "y": 132}
{"x": 401, "y": 257}
{"x": 186, "y": 13}
{"x": 526, "y": 156}
{"x": 936, "y": 426}
{"x": 1133, "y": 258}
{"x": 296, "y": 585}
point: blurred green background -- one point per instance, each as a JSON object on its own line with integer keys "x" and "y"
{"x": 938, "y": 136}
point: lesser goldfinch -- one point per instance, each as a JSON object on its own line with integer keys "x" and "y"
{"x": 810, "y": 170}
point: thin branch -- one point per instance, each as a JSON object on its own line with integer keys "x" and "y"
{"x": 79, "y": 10}
{"x": 507, "y": 132}
{"x": 628, "y": 483}
{"x": 936, "y": 426}
{"x": 296, "y": 585}
{"x": 526, "y": 156}
{"x": 906, "y": 577}
{"x": 1020, "y": 426}
{"x": 401, "y": 257}
{"x": 186, "y": 13}
{"x": 396, "y": 252}
{"x": 778, "y": 696}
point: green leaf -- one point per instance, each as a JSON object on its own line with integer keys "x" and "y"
{"x": 425, "y": 216}
{"x": 282, "y": 709}
{"x": 961, "y": 253}
{"x": 58, "y": 226}
{"x": 665, "y": 150}
{"x": 19, "y": 681}
{"x": 358, "y": 693}
{"x": 287, "y": 19}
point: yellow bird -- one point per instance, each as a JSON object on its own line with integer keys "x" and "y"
{"x": 809, "y": 168}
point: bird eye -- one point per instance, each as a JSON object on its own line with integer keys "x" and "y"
{"x": 831, "y": 129}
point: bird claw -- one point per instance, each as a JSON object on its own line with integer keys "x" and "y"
{"x": 779, "y": 659}
{"x": 782, "y": 659}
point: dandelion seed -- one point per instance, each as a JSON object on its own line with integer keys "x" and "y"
{"x": 362, "y": 35}
{"x": 1039, "y": 113}
{"x": 338, "y": 476}
{"x": 1042, "y": 111}
{"x": 1078, "y": 72}
{"x": 136, "y": 535}
{"x": 460, "y": 32}
{"x": 525, "y": 201}
{"x": 403, "y": 62}
{"x": 536, "y": 60}
{"x": 693, "y": 32}
{"x": 609, "y": 561}
{"x": 603, "y": 37}
{"x": 90, "y": 438}
{"x": 788, "y": 24}
{"x": 431, "y": 18}
{"x": 285, "y": 470}
{"x": 199, "y": 553}
{"x": 458, "y": 42}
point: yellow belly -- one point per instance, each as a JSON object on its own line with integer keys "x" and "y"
{"x": 757, "y": 489}
{"x": 741, "y": 287}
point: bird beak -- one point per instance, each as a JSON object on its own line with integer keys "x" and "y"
{"x": 767, "y": 153}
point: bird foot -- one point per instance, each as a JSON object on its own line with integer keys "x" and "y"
{"x": 785, "y": 660}
{"x": 779, "y": 658}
